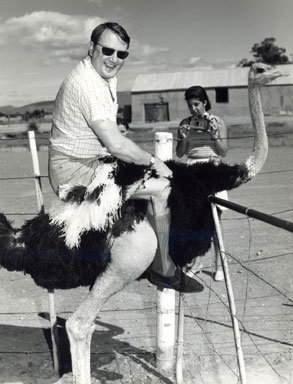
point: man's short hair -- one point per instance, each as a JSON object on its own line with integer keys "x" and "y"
{"x": 115, "y": 27}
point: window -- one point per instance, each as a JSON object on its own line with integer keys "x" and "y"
{"x": 222, "y": 95}
{"x": 156, "y": 112}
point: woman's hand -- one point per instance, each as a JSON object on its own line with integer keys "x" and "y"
{"x": 214, "y": 130}
{"x": 184, "y": 131}
{"x": 213, "y": 126}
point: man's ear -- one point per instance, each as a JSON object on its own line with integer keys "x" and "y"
{"x": 91, "y": 48}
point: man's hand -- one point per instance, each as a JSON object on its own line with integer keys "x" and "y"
{"x": 162, "y": 168}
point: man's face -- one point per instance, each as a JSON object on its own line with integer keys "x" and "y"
{"x": 108, "y": 66}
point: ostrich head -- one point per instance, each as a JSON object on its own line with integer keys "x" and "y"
{"x": 261, "y": 74}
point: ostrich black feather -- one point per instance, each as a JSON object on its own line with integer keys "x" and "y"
{"x": 192, "y": 225}
{"x": 38, "y": 247}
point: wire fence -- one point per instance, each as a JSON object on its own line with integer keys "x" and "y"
{"x": 203, "y": 322}
{"x": 18, "y": 137}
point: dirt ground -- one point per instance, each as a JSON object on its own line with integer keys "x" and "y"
{"x": 123, "y": 346}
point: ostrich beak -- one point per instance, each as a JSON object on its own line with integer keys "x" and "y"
{"x": 284, "y": 74}
{"x": 277, "y": 73}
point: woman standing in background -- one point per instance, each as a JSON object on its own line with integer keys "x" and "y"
{"x": 202, "y": 137}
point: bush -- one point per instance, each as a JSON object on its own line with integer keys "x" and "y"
{"x": 33, "y": 126}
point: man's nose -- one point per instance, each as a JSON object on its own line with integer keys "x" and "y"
{"x": 114, "y": 57}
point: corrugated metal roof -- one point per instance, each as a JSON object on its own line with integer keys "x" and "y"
{"x": 232, "y": 77}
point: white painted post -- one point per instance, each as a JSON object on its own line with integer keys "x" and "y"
{"x": 34, "y": 154}
{"x": 180, "y": 341}
{"x": 41, "y": 209}
{"x": 164, "y": 145}
{"x": 165, "y": 297}
{"x": 230, "y": 294}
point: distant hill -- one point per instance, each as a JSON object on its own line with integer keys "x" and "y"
{"x": 124, "y": 98}
{"x": 47, "y": 106}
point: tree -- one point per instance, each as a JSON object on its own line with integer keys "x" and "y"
{"x": 267, "y": 52}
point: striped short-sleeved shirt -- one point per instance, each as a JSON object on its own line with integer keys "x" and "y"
{"x": 83, "y": 97}
{"x": 201, "y": 144}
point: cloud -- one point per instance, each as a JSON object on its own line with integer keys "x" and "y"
{"x": 199, "y": 63}
{"x": 194, "y": 60}
{"x": 62, "y": 38}
{"x": 145, "y": 54}
{"x": 98, "y": 2}
{"x": 53, "y": 33}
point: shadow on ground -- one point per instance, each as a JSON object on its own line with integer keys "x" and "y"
{"x": 28, "y": 353}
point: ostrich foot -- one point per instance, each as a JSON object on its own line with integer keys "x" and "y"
{"x": 68, "y": 379}
{"x": 194, "y": 267}
{"x": 65, "y": 379}
{"x": 80, "y": 347}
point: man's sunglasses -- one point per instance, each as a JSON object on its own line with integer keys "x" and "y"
{"x": 106, "y": 51}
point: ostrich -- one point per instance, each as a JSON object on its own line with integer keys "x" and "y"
{"x": 110, "y": 259}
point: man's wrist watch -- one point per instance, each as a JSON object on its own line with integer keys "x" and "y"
{"x": 152, "y": 161}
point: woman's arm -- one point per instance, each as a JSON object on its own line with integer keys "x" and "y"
{"x": 183, "y": 140}
{"x": 221, "y": 141}
{"x": 218, "y": 132}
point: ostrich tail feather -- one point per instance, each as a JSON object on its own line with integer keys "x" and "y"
{"x": 11, "y": 253}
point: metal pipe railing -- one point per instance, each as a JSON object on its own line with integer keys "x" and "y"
{"x": 269, "y": 219}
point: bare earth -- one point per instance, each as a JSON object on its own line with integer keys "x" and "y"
{"x": 123, "y": 347}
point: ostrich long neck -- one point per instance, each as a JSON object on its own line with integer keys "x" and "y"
{"x": 260, "y": 150}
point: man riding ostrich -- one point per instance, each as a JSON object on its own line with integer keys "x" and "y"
{"x": 99, "y": 234}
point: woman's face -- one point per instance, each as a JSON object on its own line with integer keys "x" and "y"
{"x": 196, "y": 107}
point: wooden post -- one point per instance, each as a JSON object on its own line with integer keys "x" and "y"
{"x": 41, "y": 209}
{"x": 219, "y": 274}
{"x": 38, "y": 185}
{"x": 237, "y": 338}
{"x": 180, "y": 341}
{"x": 54, "y": 331}
{"x": 165, "y": 297}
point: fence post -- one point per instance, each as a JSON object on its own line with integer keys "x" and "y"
{"x": 230, "y": 294}
{"x": 41, "y": 209}
{"x": 180, "y": 340}
{"x": 165, "y": 297}
{"x": 38, "y": 185}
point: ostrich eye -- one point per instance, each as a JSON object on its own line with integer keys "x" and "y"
{"x": 260, "y": 70}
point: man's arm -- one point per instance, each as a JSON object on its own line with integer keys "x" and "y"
{"x": 124, "y": 148}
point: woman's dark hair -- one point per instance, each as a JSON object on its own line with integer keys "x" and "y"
{"x": 115, "y": 27}
{"x": 198, "y": 92}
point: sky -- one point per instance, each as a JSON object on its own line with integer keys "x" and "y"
{"x": 42, "y": 40}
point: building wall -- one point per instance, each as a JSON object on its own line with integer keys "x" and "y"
{"x": 275, "y": 99}
{"x": 177, "y": 107}
{"x": 236, "y": 106}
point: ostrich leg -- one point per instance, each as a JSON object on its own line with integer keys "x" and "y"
{"x": 131, "y": 254}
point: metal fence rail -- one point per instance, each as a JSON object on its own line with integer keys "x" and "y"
{"x": 276, "y": 222}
